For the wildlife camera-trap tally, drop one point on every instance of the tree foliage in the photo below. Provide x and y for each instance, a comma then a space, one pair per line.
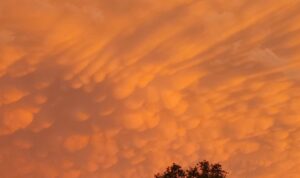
202, 169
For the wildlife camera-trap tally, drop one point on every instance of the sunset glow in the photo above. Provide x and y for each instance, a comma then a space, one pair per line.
124, 88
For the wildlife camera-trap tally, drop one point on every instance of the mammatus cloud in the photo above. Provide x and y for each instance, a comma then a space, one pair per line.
122, 89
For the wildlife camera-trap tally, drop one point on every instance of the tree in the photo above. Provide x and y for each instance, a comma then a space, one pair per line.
175, 171
202, 170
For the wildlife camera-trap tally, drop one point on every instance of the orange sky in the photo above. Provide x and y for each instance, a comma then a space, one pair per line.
115, 88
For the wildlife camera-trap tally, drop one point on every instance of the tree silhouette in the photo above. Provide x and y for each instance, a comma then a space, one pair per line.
202, 170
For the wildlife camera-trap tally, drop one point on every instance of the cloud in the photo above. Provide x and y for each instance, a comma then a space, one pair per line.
10, 95
76, 143
113, 89
15, 119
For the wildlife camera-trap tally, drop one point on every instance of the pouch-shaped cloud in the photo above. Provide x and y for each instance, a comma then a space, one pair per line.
111, 88
76, 142
15, 119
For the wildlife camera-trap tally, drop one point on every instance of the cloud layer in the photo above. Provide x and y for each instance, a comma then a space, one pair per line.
122, 89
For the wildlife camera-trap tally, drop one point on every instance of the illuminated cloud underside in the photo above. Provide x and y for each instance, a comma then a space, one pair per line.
112, 88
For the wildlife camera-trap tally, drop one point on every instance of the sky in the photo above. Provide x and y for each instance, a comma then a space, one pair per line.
122, 89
